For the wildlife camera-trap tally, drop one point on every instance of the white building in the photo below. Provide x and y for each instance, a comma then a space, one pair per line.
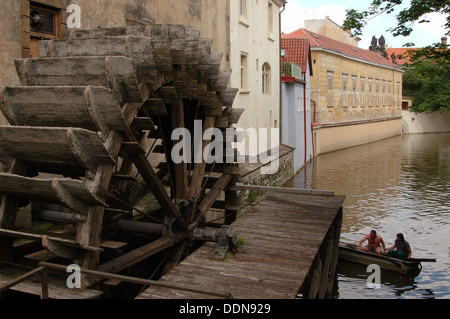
255, 61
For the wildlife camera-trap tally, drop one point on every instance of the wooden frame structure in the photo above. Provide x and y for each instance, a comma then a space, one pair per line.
82, 116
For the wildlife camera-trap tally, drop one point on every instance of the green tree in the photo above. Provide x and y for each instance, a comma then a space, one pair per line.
356, 20
427, 77
428, 83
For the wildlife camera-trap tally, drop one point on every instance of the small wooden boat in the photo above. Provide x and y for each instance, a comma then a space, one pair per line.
405, 266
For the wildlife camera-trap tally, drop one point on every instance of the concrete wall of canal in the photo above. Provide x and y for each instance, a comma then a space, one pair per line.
336, 136
417, 123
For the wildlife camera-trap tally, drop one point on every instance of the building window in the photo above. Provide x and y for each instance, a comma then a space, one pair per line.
244, 72
300, 104
363, 91
243, 8
384, 92
330, 88
390, 93
377, 92
40, 22
370, 92
270, 19
398, 94
266, 75
344, 89
354, 86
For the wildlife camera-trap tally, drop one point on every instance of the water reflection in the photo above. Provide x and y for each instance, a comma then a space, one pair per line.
354, 277
396, 185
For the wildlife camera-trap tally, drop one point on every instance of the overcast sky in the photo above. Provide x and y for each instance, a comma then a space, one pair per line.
297, 11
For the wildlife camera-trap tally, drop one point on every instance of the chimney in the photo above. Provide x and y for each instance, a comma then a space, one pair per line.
444, 40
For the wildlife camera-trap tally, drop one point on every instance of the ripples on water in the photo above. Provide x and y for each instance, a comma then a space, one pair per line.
396, 185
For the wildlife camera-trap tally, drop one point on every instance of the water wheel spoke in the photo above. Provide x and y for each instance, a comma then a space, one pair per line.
213, 194
180, 169
198, 172
154, 183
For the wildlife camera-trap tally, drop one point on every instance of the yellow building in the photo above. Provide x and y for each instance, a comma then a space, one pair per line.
356, 94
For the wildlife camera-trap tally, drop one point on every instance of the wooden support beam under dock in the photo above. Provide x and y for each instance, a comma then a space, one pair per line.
291, 245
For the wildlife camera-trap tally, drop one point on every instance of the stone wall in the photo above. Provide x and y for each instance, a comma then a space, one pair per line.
251, 174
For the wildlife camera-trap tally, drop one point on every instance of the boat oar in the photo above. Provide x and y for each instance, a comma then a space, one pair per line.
422, 260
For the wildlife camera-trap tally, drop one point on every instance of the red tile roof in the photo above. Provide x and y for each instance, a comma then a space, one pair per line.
328, 44
400, 53
297, 51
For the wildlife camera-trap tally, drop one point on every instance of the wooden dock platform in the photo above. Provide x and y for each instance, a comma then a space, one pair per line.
291, 243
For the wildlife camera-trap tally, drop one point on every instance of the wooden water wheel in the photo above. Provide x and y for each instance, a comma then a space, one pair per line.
97, 111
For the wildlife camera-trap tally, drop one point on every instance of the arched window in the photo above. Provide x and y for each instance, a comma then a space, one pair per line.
266, 75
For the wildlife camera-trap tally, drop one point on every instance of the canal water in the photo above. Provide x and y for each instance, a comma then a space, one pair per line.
401, 184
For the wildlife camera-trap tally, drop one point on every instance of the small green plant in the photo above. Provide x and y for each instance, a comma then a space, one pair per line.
242, 241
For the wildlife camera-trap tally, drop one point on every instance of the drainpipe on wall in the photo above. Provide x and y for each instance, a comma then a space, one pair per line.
312, 127
280, 65
304, 119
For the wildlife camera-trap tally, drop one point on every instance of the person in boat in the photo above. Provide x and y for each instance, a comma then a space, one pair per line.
375, 242
400, 249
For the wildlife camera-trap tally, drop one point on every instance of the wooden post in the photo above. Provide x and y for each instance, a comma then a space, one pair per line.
316, 276
44, 283
328, 247
335, 253
231, 200
8, 213
89, 232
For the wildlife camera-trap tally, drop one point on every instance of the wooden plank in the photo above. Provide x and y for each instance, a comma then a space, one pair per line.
221, 82
107, 32
161, 46
281, 245
227, 97
88, 148
43, 238
47, 106
55, 148
105, 110
154, 107
57, 285
115, 72
139, 254
222, 122
144, 124
214, 108
19, 279
132, 148
77, 71
100, 46
168, 94
287, 190
123, 79
113, 244
192, 36
235, 115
